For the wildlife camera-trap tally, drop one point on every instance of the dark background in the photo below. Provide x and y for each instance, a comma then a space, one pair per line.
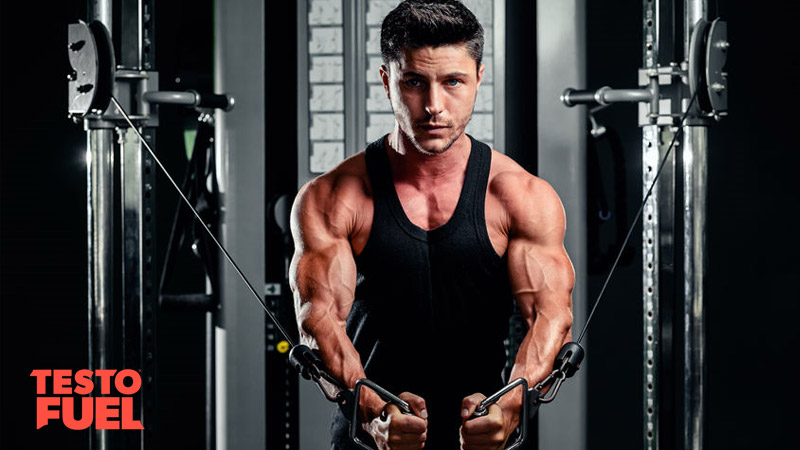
752, 341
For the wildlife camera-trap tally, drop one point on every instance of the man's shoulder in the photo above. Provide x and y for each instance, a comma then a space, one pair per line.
523, 195
508, 177
334, 200
347, 180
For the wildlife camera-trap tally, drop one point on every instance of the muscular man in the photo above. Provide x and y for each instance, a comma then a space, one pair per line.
408, 254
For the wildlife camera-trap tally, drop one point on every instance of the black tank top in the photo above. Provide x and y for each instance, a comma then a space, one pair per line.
431, 307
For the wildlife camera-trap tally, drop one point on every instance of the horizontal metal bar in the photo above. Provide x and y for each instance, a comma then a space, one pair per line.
604, 96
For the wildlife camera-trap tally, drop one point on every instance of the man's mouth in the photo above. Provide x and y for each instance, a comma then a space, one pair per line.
433, 126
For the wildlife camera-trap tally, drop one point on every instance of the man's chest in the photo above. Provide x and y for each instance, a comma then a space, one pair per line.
429, 209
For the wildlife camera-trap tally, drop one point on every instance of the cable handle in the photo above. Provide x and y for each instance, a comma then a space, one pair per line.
567, 362
385, 395
310, 366
483, 408
527, 410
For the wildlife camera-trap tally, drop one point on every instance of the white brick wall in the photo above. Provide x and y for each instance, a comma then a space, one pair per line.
326, 127
326, 84
325, 12
326, 69
325, 155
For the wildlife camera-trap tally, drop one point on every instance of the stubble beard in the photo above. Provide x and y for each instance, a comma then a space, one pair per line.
437, 151
431, 152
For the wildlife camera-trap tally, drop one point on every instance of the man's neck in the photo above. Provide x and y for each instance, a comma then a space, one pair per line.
412, 166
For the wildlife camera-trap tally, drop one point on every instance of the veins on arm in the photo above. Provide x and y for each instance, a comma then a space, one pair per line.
541, 275
322, 272
322, 277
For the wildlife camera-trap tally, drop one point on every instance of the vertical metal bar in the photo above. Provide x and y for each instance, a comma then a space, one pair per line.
140, 33
650, 283
694, 205
561, 60
240, 148
148, 299
694, 11
355, 68
651, 29
220, 344
668, 251
101, 10
148, 33
651, 241
130, 36
210, 414
303, 116
100, 185
139, 307
132, 224
499, 71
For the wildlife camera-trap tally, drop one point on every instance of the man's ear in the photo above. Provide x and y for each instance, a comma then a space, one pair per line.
480, 73
384, 71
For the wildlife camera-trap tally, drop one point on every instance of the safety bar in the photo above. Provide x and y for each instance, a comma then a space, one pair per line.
604, 96
190, 98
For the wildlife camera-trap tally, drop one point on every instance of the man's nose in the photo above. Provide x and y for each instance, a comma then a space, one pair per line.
434, 104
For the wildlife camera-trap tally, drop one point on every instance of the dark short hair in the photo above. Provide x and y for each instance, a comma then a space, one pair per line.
420, 23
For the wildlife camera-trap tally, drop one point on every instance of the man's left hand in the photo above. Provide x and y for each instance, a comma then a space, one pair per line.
489, 432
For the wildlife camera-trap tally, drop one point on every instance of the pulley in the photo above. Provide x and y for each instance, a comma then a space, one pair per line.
91, 56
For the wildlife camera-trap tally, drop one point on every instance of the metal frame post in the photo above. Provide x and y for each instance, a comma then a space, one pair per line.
122, 332
240, 161
673, 226
100, 199
561, 50
652, 152
694, 156
674, 215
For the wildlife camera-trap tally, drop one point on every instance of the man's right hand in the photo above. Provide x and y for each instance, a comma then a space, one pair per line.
397, 431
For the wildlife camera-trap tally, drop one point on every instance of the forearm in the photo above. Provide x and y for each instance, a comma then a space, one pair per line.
328, 337
547, 333
534, 361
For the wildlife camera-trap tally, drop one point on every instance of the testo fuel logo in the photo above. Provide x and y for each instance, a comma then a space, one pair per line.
75, 400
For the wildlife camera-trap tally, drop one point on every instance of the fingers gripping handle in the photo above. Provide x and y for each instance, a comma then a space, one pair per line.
385, 395
483, 407
567, 362
309, 365
527, 395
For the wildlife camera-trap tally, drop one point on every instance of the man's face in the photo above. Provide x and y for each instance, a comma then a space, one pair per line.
432, 91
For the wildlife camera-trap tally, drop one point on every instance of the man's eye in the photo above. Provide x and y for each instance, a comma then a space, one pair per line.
413, 82
453, 82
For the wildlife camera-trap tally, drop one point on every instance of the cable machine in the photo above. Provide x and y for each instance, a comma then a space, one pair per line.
683, 98
125, 287
677, 100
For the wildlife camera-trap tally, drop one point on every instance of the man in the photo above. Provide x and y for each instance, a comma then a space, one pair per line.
408, 254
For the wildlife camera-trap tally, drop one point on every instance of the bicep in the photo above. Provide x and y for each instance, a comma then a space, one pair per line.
541, 277
541, 273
